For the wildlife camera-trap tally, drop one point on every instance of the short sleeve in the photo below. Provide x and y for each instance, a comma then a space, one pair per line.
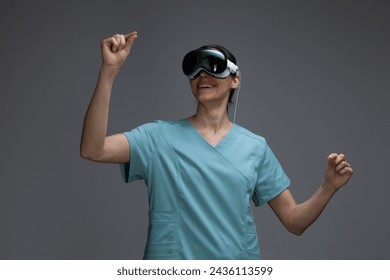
143, 141
271, 178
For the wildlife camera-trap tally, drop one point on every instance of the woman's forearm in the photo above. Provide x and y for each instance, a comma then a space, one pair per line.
96, 119
307, 212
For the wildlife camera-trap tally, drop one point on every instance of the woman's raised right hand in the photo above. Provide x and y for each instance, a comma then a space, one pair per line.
116, 49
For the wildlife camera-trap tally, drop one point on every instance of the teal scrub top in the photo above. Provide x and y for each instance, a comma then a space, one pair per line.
199, 195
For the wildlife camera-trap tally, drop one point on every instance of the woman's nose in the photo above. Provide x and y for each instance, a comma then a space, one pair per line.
204, 74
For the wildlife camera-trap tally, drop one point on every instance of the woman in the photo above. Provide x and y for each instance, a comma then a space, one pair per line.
201, 171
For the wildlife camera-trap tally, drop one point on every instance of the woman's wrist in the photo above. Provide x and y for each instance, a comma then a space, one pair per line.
109, 71
328, 188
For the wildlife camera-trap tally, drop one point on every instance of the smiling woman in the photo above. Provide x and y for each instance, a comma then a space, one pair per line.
206, 88
203, 170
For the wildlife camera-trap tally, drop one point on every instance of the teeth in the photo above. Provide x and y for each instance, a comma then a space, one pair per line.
205, 86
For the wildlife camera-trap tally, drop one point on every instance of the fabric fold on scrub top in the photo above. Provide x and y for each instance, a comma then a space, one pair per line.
199, 195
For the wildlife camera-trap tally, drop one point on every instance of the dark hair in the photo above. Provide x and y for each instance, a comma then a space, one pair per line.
228, 55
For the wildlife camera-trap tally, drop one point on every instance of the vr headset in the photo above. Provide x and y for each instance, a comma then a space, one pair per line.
211, 61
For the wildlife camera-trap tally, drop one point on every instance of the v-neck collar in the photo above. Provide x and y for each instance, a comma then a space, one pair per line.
221, 144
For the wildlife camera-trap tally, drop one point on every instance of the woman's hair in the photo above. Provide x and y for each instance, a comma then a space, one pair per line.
229, 56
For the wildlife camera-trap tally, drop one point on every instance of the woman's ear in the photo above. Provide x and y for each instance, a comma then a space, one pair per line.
236, 81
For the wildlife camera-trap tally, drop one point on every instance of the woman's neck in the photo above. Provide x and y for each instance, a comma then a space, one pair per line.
213, 120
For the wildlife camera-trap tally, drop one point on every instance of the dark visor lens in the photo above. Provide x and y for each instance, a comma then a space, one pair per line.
212, 61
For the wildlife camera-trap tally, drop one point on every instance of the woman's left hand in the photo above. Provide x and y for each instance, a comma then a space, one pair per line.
338, 171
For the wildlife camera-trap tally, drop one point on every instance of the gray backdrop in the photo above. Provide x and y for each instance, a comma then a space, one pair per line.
315, 80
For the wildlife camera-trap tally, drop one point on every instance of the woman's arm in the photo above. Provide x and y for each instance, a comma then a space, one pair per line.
298, 217
95, 144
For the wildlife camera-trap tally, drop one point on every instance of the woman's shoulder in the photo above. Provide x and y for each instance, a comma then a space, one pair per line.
159, 126
246, 133
171, 122
159, 123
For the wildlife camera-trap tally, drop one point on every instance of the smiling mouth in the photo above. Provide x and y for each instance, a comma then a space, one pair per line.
205, 86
